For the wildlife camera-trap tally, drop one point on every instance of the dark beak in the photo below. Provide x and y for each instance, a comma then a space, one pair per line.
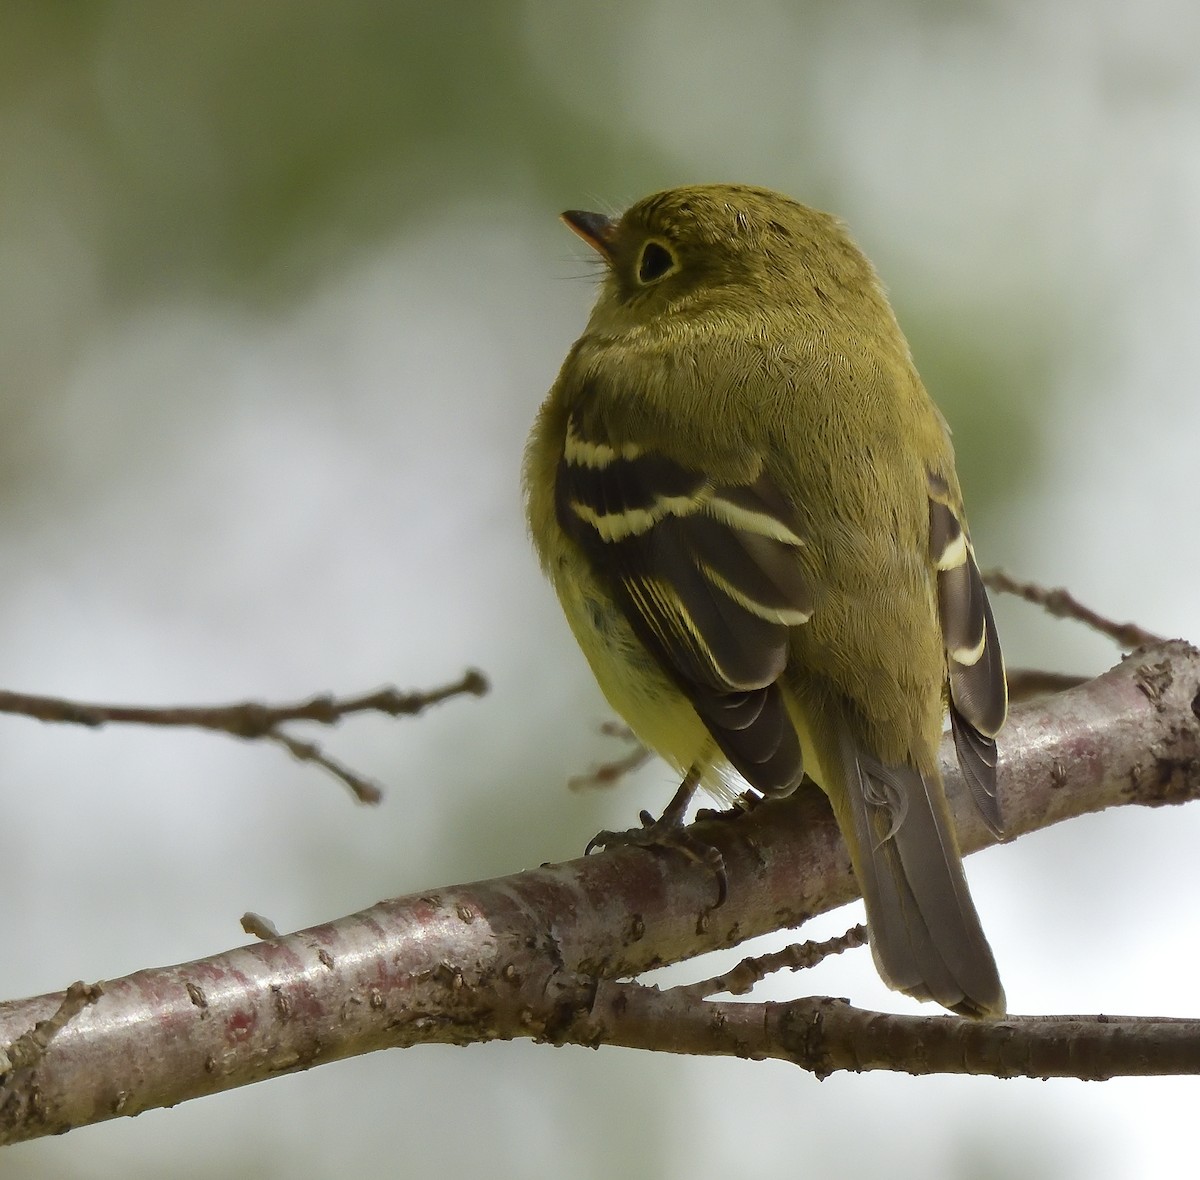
594, 228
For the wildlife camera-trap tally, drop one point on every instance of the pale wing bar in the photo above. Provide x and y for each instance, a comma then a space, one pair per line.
709, 578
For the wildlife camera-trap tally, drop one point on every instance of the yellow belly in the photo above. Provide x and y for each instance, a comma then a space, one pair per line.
634, 685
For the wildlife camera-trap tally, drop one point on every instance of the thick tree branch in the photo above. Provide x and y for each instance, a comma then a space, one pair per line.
537, 954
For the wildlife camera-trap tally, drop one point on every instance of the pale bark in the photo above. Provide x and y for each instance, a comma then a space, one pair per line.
540, 954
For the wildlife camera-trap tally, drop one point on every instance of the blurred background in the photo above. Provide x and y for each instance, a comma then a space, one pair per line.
281, 286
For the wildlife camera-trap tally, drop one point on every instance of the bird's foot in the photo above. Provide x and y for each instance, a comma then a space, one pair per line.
668, 832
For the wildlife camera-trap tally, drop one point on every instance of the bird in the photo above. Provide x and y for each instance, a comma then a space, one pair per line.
746, 502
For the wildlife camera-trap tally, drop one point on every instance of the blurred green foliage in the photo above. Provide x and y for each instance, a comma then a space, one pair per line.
238, 145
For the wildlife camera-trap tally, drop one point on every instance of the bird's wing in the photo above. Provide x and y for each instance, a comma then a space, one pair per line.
975, 664
708, 575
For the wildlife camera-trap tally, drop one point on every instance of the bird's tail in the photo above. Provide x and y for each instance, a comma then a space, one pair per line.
925, 933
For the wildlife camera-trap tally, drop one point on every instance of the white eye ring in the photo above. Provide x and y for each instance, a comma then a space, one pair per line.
655, 262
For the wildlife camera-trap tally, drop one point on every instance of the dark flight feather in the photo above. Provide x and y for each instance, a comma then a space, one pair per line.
974, 662
709, 578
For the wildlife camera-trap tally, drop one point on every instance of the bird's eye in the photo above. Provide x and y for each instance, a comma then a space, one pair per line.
656, 262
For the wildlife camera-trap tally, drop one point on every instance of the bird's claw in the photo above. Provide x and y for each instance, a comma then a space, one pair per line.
666, 833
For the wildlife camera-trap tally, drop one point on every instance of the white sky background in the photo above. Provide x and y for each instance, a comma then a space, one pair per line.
217, 501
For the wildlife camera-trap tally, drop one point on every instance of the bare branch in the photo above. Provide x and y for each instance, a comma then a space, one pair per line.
253, 720
825, 1035
29, 1048
537, 954
800, 956
363, 789
245, 719
608, 774
1063, 605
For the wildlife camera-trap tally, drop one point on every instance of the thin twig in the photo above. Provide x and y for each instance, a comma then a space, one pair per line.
30, 1047
253, 720
1062, 604
607, 774
799, 956
244, 719
361, 788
